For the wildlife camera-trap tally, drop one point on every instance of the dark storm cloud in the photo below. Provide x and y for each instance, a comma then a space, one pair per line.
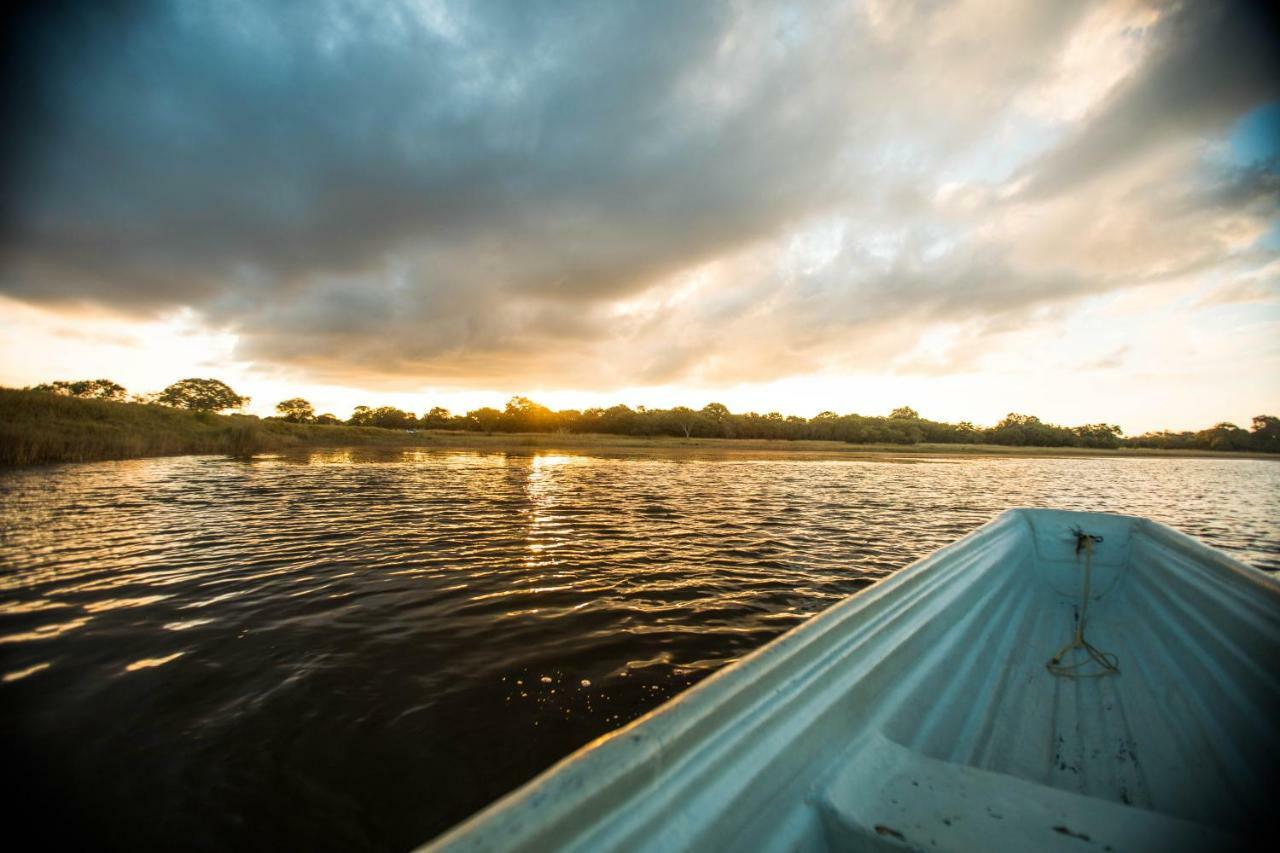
1213, 63
188, 146
477, 190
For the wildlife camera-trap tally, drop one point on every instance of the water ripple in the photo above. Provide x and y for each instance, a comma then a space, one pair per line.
354, 649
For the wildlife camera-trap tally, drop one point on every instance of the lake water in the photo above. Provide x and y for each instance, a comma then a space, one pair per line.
352, 650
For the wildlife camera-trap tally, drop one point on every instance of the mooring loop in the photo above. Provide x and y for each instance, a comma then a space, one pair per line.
1107, 662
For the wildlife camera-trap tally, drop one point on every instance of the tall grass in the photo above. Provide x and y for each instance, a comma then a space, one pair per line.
38, 427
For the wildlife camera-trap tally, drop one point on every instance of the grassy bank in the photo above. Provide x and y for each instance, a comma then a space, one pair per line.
38, 427
626, 444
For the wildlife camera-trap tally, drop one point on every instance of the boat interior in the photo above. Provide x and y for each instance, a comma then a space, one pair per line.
1168, 739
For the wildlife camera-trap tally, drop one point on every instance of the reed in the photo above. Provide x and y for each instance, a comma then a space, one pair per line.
38, 427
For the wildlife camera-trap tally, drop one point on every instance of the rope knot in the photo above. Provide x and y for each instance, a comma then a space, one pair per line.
1107, 662
1085, 541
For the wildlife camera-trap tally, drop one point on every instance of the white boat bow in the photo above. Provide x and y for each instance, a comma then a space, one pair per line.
920, 714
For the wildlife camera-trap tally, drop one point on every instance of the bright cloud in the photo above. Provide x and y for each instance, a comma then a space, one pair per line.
848, 206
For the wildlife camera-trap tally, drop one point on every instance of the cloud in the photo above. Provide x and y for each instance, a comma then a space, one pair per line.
597, 195
1112, 360
1213, 63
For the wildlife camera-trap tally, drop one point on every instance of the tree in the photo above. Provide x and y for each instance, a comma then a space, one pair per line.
524, 415
60, 387
617, 420
92, 389
1098, 435
389, 417
904, 413
717, 412
437, 418
1030, 431
684, 419
486, 418
327, 419
296, 410
1265, 435
201, 395
720, 418
1223, 436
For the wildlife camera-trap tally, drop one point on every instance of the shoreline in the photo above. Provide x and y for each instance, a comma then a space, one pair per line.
39, 428
635, 445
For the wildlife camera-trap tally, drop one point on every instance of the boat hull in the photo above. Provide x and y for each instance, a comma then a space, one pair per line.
919, 713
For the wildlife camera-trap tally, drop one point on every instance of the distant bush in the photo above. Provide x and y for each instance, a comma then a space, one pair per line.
201, 395
39, 427
89, 389
44, 426
902, 426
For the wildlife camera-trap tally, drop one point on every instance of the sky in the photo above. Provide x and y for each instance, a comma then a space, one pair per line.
971, 208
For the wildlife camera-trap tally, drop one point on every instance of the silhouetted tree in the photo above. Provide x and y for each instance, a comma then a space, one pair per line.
619, 420
902, 426
485, 418
685, 419
1029, 431
92, 389
201, 395
1223, 436
296, 410
437, 418
1265, 436
389, 417
524, 415
721, 419
1098, 435
1163, 440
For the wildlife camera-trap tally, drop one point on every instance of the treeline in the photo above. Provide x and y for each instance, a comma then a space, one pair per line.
902, 426
522, 415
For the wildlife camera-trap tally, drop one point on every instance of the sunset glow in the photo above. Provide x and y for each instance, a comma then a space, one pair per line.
1064, 209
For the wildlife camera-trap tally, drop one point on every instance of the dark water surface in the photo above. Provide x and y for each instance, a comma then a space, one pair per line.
354, 650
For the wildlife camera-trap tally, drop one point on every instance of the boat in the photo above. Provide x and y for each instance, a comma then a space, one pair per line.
1054, 681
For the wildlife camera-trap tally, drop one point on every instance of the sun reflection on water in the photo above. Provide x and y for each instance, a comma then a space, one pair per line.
288, 626
23, 673
150, 663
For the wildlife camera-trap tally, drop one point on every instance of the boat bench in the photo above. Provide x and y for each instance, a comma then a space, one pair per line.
888, 797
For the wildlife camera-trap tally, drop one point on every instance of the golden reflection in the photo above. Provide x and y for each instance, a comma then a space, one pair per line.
148, 663
312, 590
10, 607
509, 593
188, 624
196, 605
252, 576
45, 632
118, 603
470, 458
23, 673
150, 577
551, 460
365, 455
546, 529
331, 457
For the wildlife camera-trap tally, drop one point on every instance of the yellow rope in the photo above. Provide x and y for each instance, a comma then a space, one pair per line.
1108, 662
